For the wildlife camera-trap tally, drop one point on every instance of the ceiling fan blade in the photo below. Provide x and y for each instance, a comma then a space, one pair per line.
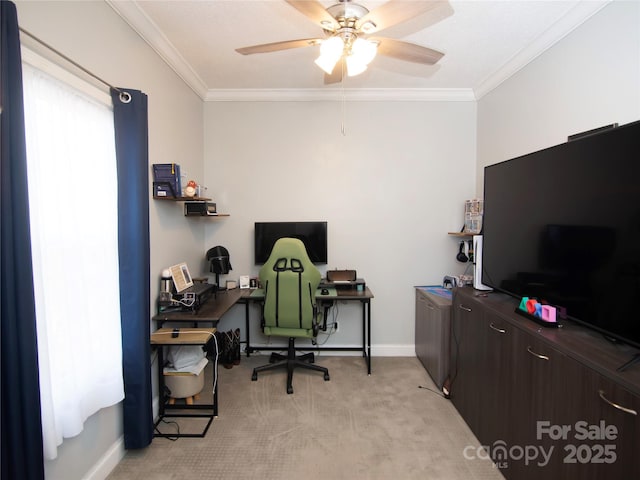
409, 52
395, 12
314, 10
276, 46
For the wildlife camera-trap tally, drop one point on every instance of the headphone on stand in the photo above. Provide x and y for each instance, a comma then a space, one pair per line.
462, 256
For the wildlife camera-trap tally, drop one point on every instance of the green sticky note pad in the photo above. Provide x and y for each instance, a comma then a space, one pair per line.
523, 303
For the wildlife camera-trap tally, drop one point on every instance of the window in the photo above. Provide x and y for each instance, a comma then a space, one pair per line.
73, 211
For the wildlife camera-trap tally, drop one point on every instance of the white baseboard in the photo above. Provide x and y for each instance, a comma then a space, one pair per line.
393, 351
107, 462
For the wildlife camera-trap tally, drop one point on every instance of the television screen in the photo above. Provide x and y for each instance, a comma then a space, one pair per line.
312, 234
563, 224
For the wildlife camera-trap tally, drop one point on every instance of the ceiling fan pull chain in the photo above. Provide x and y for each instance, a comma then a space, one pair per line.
344, 107
342, 127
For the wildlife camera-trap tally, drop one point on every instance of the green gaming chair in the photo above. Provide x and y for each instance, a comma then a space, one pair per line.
290, 280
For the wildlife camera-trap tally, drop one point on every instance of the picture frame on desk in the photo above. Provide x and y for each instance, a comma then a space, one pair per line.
181, 276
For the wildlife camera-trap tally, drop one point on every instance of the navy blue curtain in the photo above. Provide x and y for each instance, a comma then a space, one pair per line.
22, 455
132, 151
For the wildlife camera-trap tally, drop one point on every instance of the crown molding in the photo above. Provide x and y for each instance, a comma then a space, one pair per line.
579, 14
153, 36
350, 95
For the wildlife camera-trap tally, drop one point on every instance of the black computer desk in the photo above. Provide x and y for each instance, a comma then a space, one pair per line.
363, 296
217, 306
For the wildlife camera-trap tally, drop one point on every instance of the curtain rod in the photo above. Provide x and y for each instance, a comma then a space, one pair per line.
125, 97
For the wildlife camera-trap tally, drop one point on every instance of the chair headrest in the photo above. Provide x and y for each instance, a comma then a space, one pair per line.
289, 254
284, 264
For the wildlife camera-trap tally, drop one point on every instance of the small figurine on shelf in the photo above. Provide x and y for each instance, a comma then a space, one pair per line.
473, 212
190, 191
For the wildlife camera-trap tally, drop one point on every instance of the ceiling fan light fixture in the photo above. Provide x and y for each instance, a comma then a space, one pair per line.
332, 47
364, 50
355, 66
346, 26
362, 53
330, 52
326, 64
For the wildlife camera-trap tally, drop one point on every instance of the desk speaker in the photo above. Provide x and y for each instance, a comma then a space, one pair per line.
341, 275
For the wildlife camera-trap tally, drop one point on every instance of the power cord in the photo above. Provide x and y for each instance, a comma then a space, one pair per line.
440, 394
215, 366
188, 300
172, 438
332, 323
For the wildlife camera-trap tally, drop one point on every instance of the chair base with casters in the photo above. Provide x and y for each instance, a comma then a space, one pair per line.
290, 362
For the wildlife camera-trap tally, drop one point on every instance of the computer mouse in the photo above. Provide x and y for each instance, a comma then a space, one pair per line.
324, 291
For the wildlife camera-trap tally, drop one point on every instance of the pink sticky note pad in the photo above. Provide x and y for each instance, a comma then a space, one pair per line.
548, 313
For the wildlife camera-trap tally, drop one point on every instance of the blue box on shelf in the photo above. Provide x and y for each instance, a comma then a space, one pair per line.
166, 180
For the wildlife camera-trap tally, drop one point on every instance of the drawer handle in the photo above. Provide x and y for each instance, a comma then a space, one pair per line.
466, 309
541, 357
499, 330
615, 405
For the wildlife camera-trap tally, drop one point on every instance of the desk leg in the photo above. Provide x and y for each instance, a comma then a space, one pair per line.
364, 329
366, 333
369, 338
246, 327
325, 315
161, 396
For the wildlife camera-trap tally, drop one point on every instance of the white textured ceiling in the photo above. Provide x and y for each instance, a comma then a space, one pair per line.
484, 43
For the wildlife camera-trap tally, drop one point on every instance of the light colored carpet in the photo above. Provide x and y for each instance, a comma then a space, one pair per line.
354, 426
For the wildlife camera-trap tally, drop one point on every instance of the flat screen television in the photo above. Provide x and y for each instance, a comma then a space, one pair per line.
563, 225
312, 234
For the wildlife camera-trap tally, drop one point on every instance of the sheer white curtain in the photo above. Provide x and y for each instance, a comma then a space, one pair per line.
73, 210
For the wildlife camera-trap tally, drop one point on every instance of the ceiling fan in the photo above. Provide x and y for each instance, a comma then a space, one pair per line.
347, 44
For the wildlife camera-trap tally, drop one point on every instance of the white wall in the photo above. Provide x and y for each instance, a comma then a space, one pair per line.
589, 79
390, 190
93, 35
